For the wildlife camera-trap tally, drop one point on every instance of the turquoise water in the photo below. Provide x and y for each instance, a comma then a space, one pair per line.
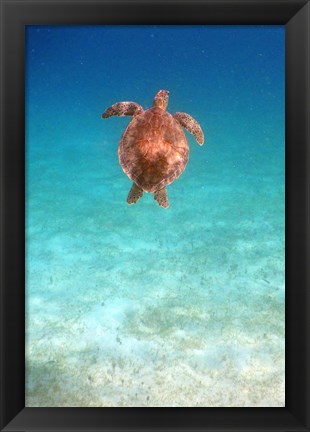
140, 305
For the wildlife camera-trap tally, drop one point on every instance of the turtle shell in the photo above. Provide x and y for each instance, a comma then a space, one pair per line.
153, 150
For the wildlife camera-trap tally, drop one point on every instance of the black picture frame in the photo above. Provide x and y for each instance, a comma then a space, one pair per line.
15, 14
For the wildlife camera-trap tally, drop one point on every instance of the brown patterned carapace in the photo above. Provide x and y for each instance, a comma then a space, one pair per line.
153, 150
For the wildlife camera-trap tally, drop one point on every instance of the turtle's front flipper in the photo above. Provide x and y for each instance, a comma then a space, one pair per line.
135, 194
161, 197
189, 123
123, 109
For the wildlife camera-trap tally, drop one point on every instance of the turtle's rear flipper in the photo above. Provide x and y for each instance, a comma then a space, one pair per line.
162, 198
135, 194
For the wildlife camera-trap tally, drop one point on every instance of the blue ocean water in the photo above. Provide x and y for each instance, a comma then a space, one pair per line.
140, 305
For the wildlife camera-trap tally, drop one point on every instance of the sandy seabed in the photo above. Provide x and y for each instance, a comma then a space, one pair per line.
139, 306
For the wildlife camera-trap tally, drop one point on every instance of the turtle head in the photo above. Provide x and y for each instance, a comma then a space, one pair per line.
161, 99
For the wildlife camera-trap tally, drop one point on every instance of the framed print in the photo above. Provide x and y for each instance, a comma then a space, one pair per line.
155, 214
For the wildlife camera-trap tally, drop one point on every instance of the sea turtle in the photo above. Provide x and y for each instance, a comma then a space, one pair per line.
153, 150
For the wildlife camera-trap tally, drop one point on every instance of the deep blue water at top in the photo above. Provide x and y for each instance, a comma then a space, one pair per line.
234, 75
